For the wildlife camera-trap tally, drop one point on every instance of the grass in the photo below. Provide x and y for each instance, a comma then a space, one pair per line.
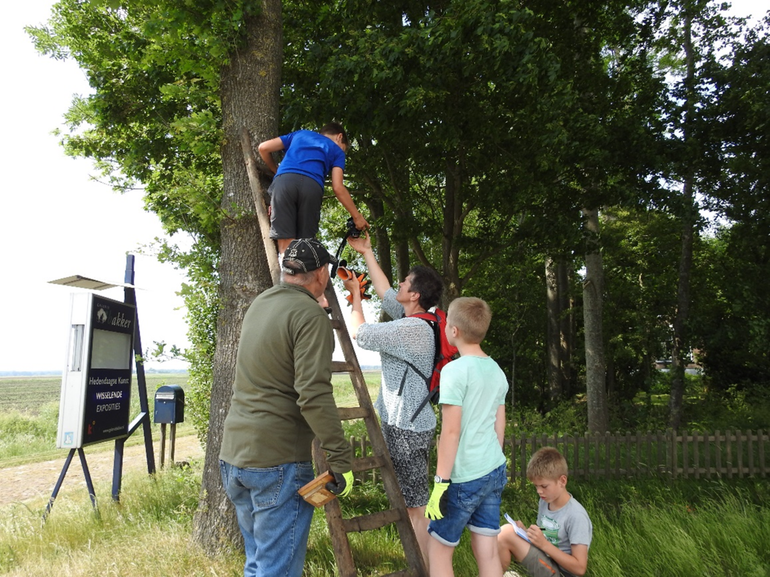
641, 528
648, 528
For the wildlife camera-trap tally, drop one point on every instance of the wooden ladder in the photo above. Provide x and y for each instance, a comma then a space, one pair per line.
339, 527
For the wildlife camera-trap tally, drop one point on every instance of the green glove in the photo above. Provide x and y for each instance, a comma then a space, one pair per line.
342, 484
348, 484
437, 503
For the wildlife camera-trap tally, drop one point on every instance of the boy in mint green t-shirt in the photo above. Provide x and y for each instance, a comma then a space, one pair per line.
471, 471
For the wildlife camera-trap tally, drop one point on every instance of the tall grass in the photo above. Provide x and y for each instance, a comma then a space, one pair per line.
641, 529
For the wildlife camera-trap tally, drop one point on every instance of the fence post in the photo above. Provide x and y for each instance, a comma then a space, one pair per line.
718, 453
673, 454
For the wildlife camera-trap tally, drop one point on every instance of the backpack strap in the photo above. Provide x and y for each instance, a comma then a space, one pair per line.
435, 325
403, 378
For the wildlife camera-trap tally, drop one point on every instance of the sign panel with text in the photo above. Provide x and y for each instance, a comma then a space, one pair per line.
96, 383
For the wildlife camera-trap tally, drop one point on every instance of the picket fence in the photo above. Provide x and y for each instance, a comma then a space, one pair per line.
669, 454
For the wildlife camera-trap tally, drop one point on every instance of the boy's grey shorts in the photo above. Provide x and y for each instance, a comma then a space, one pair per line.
541, 565
295, 206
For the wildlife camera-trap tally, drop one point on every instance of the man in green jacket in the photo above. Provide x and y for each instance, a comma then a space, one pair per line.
282, 399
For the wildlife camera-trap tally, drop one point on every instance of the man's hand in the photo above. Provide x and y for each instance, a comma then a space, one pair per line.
437, 503
342, 484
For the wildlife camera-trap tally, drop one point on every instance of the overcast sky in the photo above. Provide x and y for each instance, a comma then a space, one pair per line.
57, 221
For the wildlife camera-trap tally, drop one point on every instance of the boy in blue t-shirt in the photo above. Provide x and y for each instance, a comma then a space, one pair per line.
297, 189
471, 471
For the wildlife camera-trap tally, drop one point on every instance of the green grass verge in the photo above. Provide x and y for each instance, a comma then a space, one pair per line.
641, 529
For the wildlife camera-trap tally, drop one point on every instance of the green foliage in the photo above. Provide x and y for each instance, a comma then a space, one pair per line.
730, 324
480, 128
202, 300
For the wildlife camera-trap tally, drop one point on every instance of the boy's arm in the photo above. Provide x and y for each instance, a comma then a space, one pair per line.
451, 417
266, 150
363, 245
342, 194
575, 563
500, 424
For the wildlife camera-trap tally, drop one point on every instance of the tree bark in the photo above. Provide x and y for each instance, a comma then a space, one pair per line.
553, 337
566, 324
593, 289
679, 351
249, 89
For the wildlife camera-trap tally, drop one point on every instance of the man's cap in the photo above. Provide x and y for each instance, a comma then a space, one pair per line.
305, 255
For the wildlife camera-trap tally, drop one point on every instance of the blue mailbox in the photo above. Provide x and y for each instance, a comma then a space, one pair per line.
169, 404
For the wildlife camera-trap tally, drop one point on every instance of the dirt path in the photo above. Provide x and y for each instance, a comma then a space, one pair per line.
36, 480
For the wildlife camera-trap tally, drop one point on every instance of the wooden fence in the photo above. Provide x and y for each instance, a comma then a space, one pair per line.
670, 454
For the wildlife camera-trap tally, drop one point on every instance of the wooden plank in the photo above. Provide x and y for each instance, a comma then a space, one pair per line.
729, 444
371, 521
696, 453
718, 453
672, 453
402, 573
367, 463
350, 413
763, 437
685, 454
707, 455
739, 450
271, 252
346, 567
342, 367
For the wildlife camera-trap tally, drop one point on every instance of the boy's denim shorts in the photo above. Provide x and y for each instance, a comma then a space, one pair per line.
473, 504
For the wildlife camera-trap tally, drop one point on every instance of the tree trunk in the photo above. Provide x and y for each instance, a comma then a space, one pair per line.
566, 324
685, 262
593, 288
249, 89
553, 337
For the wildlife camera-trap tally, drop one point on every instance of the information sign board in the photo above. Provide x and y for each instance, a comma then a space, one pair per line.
96, 383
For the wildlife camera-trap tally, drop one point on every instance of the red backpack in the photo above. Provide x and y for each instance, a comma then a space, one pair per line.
444, 353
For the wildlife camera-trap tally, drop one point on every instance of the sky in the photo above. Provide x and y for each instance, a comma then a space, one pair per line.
58, 221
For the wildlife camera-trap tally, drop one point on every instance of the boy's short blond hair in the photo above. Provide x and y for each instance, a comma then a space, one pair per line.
472, 316
547, 463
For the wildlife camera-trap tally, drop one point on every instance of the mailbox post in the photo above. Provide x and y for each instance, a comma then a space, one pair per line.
169, 409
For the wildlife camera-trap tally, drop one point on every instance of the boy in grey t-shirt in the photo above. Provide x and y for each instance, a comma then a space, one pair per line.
558, 544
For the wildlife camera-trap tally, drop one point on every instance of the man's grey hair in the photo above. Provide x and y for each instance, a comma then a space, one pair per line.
297, 276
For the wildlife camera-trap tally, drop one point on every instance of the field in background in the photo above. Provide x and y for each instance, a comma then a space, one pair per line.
29, 413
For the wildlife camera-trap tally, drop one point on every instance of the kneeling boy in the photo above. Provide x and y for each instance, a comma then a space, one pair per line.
558, 544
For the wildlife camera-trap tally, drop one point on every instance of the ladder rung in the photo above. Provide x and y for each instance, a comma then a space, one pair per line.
348, 413
372, 521
342, 367
337, 324
367, 463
